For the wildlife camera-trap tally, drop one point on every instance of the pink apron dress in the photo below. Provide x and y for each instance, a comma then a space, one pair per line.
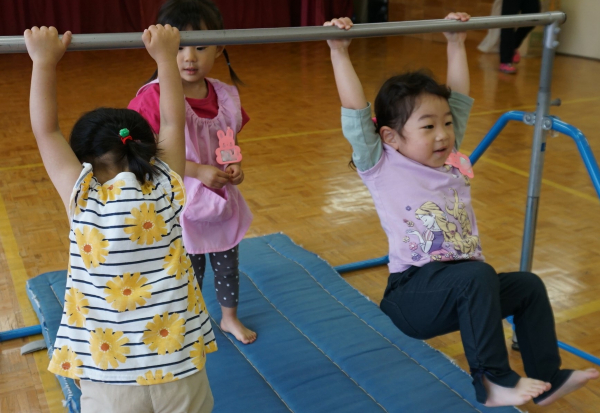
214, 220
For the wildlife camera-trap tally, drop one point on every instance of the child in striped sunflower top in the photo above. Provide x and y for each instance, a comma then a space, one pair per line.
135, 330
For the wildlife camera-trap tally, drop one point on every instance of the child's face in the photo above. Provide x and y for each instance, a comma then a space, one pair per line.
428, 135
196, 62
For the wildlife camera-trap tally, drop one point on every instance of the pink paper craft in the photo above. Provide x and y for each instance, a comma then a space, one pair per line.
461, 162
227, 152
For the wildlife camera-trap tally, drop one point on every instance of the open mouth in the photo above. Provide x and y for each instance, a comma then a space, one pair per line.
190, 71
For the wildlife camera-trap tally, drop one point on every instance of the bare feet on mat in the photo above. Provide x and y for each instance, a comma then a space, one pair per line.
578, 379
525, 390
232, 324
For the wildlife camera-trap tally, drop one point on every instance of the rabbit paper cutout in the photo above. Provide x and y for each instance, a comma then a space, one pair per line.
227, 152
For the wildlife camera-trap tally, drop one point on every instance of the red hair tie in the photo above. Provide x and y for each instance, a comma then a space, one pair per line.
124, 133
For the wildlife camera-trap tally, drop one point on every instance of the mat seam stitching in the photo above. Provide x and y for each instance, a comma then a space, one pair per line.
313, 343
373, 328
249, 362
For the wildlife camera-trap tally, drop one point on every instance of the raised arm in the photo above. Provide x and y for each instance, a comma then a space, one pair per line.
46, 50
458, 70
349, 87
162, 43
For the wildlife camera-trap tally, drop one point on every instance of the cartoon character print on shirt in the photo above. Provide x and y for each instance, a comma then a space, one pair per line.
442, 239
457, 174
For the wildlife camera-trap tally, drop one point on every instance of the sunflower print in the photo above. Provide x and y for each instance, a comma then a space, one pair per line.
148, 187
177, 188
127, 292
110, 192
92, 246
200, 300
156, 378
211, 347
177, 262
193, 304
146, 226
198, 354
83, 194
75, 307
198, 293
108, 347
165, 334
65, 363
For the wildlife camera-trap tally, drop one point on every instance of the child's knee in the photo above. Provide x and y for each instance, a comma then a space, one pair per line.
482, 276
531, 282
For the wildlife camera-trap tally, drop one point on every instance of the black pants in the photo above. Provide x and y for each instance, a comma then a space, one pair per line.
227, 279
511, 39
442, 297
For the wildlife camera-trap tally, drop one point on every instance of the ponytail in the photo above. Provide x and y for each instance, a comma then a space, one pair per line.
97, 137
139, 155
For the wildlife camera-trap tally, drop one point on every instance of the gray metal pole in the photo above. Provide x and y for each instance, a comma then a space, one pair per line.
16, 44
542, 125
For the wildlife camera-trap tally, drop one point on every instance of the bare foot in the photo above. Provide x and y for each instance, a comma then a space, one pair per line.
234, 326
578, 379
525, 390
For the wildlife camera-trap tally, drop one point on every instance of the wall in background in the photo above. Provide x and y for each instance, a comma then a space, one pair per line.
580, 35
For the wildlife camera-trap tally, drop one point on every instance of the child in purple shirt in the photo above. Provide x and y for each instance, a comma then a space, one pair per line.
420, 185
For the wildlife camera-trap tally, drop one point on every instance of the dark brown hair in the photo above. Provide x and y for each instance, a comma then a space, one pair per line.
397, 99
96, 134
197, 15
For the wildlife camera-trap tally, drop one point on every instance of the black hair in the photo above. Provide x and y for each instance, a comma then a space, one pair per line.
397, 98
97, 134
197, 15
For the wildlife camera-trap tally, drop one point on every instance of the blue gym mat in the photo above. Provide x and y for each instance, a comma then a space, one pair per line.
322, 346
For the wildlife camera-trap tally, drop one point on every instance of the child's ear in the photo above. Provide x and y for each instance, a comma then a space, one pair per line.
219, 51
390, 136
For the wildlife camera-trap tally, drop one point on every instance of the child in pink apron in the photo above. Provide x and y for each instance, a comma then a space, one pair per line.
216, 216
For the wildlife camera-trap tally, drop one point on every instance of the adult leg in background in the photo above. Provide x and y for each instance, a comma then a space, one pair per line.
527, 7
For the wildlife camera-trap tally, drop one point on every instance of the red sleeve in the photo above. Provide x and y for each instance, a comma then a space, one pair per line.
245, 119
147, 104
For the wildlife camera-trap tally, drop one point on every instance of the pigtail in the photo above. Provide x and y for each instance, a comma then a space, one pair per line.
234, 77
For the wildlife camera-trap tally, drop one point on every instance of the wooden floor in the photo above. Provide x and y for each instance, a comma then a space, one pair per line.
298, 182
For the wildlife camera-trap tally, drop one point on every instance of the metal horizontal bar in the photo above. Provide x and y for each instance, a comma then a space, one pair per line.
107, 41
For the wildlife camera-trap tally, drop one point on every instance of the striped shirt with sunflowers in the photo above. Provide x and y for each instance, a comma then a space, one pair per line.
133, 311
